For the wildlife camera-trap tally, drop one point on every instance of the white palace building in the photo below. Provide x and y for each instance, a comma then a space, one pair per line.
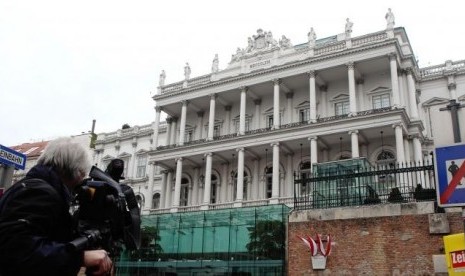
234, 137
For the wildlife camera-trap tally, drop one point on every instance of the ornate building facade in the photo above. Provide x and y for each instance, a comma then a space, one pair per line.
235, 137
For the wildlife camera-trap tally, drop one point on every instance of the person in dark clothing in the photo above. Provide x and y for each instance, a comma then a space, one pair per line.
36, 227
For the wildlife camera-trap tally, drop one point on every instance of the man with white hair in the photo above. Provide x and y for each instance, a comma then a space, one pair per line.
35, 224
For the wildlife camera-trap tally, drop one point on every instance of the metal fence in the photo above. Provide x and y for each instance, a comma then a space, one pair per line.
385, 183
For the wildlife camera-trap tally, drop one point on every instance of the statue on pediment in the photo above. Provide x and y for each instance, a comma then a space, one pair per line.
269, 40
215, 64
311, 38
348, 28
250, 45
285, 42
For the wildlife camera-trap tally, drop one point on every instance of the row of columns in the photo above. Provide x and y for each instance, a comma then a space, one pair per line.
172, 122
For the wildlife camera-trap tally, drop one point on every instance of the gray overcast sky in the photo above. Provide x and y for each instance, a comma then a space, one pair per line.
65, 63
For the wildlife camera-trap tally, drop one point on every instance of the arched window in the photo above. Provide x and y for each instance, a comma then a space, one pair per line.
156, 201
183, 200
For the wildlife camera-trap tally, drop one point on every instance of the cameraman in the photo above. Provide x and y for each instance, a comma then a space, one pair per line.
35, 224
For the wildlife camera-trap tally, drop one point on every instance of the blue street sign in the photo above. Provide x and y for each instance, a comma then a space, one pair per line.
12, 158
450, 175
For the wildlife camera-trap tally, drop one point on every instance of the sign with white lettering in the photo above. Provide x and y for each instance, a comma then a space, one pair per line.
458, 259
12, 158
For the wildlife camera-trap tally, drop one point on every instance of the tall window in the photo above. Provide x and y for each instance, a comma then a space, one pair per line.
141, 166
269, 181
305, 188
304, 115
237, 124
183, 200
156, 201
244, 187
214, 186
189, 135
216, 131
342, 108
270, 120
380, 101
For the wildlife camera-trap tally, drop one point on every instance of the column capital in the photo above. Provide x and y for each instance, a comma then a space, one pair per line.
152, 163
158, 108
178, 159
311, 73
353, 131
452, 86
227, 108
324, 88
257, 101
244, 88
169, 120
277, 81
213, 96
185, 102
392, 56
274, 144
208, 154
408, 70
350, 65
240, 149
397, 125
360, 81
413, 136
200, 113
174, 118
289, 95
312, 138
164, 171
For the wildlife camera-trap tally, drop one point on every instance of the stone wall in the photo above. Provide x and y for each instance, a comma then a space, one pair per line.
390, 239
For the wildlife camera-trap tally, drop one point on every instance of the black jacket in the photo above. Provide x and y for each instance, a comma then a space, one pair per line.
35, 227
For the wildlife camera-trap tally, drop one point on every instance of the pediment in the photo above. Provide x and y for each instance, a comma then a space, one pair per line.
108, 157
379, 89
304, 103
124, 155
435, 101
461, 98
141, 151
340, 97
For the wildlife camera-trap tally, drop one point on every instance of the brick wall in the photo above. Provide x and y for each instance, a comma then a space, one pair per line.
389, 245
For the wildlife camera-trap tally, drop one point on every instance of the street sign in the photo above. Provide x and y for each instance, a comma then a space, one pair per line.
450, 175
12, 158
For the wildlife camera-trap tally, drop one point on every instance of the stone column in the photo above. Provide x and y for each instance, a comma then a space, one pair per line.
417, 152
151, 171
156, 126
312, 99
199, 125
255, 179
227, 119
174, 130
412, 94
195, 188
407, 149
276, 121
354, 143
289, 112
257, 103
242, 111
361, 93
240, 175
164, 177
208, 181
313, 150
275, 184
399, 143
169, 121
352, 97
169, 187
211, 118
182, 129
289, 175
177, 185
394, 80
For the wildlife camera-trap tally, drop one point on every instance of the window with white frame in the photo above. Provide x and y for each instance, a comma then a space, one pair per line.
141, 166
270, 120
189, 135
341, 108
382, 100
237, 123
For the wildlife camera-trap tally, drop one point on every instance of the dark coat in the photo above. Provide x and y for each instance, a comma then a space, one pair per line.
36, 226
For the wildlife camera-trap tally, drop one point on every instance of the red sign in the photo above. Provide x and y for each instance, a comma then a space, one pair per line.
458, 259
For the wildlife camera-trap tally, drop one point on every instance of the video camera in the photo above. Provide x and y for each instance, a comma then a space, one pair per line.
107, 213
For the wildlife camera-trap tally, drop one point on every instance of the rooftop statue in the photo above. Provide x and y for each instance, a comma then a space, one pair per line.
348, 28
215, 64
285, 43
187, 71
161, 79
311, 38
390, 20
